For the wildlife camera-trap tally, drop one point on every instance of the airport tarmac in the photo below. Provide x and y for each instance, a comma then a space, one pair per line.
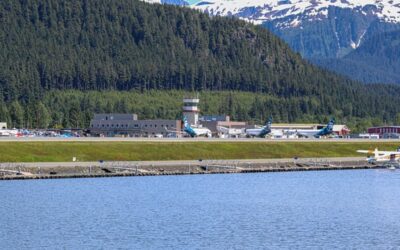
185, 139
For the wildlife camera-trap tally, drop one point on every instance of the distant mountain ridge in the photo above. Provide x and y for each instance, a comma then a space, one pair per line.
316, 29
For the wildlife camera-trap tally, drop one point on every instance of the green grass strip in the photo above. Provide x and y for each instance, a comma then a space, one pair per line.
151, 151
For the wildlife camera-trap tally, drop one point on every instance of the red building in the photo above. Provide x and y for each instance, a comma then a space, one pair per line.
384, 130
341, 130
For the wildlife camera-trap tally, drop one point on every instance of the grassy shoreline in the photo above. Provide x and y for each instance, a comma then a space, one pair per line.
153, 151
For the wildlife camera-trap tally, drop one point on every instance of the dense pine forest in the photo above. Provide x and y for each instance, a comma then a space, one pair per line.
63, 60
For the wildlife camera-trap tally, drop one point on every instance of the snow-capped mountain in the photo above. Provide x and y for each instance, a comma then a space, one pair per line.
260, 11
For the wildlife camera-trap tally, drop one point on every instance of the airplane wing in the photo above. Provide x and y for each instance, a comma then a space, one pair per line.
175, 131
379, 152
365, 151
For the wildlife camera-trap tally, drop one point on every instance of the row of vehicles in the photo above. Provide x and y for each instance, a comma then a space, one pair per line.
37, 133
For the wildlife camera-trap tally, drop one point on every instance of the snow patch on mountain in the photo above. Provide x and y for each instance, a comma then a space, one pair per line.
174, 2
259, 11
152, 1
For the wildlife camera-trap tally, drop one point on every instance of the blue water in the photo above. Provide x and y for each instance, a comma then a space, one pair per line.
329, 209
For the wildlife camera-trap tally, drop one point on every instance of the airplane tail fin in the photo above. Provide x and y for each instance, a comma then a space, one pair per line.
267, 128
185, 122
330, 124
268, 123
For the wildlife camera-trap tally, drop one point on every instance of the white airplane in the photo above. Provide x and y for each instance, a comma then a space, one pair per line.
381, 156
260, 132
315, 132
193, 132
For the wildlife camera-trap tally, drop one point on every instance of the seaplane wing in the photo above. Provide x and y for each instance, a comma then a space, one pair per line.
365, 151
377, 152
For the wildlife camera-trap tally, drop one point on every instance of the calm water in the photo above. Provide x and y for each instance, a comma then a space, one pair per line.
331, 209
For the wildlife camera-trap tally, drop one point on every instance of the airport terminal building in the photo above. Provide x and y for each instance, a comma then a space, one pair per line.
130, 125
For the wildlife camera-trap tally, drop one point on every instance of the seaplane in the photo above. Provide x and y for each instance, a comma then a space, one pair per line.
316, 133
193, 131
260, 132
375, 156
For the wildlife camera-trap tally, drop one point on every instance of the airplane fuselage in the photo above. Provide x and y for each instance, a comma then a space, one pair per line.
309, 133
196, 132
257, 132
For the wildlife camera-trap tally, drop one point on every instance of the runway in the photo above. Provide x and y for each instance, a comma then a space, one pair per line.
141, 139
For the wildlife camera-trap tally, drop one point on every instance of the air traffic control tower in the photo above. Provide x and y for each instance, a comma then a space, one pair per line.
191, 110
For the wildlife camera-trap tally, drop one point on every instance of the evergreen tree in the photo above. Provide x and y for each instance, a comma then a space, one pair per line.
42, 115
17, 115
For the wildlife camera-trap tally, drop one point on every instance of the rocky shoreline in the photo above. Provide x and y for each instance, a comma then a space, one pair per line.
26, 171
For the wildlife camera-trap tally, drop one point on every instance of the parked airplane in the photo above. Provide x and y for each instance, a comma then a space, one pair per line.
260, 132
315, 133
195, 132
192, 132
381, 156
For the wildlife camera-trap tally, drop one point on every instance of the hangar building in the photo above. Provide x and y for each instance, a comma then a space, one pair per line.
384, 130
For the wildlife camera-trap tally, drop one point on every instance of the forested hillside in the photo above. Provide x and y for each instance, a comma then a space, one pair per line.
48, 47
377, 60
